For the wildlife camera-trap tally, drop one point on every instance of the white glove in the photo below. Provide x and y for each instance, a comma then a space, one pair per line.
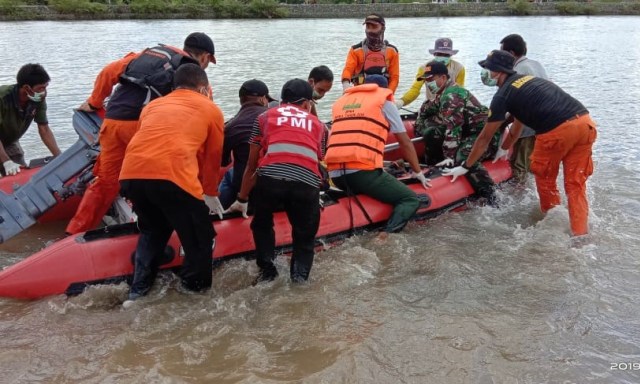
346, 85
421, 178
500, 153
447, 163
399, 103
215, 207
11, 168
238, 207
455, 172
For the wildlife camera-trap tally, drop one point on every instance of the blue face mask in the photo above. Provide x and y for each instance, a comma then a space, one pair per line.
442, 59
486, 78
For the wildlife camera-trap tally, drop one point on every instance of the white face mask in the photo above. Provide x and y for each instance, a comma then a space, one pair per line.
442, 59
433, 86
37, 96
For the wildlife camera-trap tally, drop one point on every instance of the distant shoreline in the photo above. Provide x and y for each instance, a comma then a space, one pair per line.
269, 10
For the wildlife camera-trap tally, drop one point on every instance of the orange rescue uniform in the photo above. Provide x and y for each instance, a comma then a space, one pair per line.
354, 65
162, 147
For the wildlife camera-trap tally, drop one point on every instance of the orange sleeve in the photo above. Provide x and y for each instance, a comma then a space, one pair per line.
351, 65
212, 154
108, 78
393, 68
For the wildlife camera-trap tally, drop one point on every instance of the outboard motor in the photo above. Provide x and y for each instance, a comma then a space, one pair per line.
19, 211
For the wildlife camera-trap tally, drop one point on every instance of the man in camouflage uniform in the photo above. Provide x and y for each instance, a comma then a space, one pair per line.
450, 125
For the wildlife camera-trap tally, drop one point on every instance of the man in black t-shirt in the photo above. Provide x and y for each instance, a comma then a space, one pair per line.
564, 134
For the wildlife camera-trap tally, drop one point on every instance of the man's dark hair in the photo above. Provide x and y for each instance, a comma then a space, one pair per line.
321, 73
190, 76
31, 75
514, 43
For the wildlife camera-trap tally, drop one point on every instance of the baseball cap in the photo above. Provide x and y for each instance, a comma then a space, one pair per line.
374, 18
434, 68
499, 61
377, 79
296, 90
255, 87
443, 45
201, 41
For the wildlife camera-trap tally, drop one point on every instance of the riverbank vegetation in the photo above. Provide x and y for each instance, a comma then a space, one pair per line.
220, 9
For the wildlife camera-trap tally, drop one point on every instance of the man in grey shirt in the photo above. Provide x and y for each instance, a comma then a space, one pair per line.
523, 148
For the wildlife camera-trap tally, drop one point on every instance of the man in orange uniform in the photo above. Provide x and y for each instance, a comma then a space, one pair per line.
564, 134
142, 77
372, 56
171, 165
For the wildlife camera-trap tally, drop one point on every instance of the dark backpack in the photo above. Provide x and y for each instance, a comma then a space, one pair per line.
154, 70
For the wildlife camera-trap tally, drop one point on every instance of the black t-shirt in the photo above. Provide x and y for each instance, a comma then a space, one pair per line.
536, 102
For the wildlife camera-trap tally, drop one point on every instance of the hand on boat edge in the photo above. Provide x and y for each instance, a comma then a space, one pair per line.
455, 172
214, 205
447, 163
11, 168
500, 154
238, 207
420, 176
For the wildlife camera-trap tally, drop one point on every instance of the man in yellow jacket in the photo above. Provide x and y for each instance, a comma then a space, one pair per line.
442, 53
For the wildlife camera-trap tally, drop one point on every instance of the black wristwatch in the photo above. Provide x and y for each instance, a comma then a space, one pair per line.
463, 166
241, 200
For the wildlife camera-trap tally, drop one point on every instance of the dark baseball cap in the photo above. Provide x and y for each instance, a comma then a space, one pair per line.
499, 61
201, 41
296, 90
434, 68
374, 18
255, 87
377, 79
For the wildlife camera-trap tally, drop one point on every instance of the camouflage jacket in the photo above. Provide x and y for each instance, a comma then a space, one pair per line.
461, 115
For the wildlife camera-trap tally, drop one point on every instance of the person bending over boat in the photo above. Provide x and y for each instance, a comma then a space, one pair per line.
523, 147
372, 56
462, 117
442, 52
321, 79
141, 78
286, 146
171, 179
565, 134
362, 118
20, 104
254, 98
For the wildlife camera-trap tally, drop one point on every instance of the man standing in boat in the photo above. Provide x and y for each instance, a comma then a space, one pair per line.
141, 78
286, 147
171, 179
362, 119
462, 119
20, 104
372, 56
565, 134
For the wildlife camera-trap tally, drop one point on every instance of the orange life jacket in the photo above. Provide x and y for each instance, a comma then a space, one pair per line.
359, 131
